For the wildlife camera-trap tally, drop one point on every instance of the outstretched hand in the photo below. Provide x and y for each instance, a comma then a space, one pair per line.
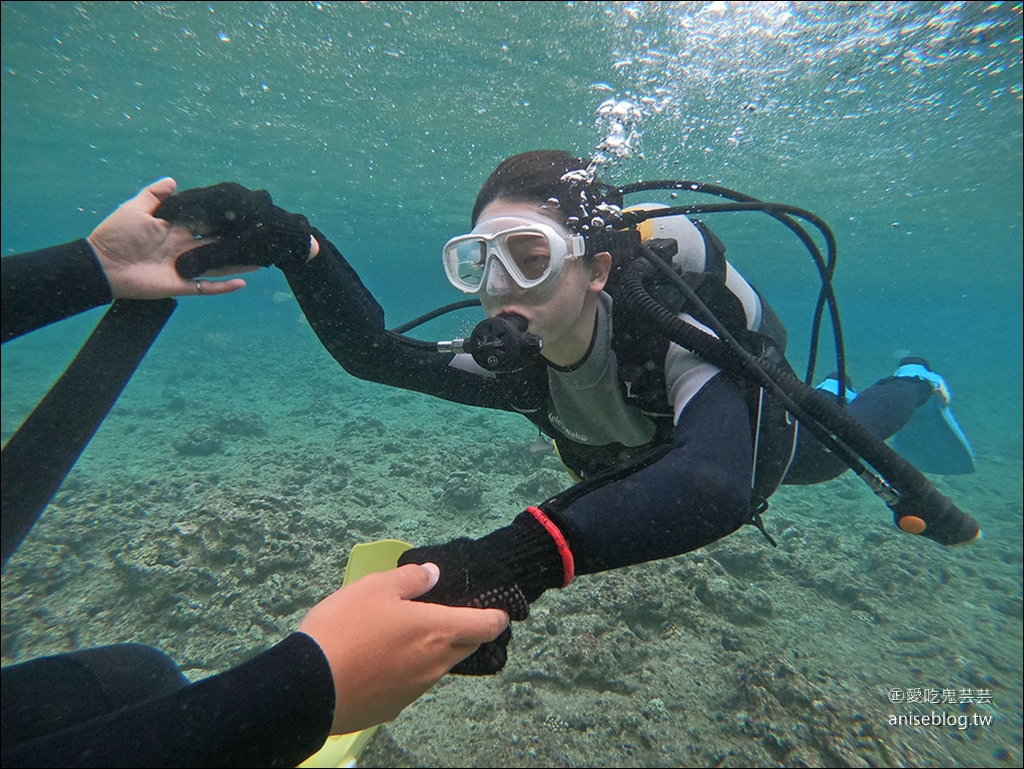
138, 252
385, 649
246, 227
474, 576
507, 569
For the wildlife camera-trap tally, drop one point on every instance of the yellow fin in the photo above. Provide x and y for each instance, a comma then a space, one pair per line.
370, 557
365, 558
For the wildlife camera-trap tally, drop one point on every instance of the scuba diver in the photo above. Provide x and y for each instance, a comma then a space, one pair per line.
668, 397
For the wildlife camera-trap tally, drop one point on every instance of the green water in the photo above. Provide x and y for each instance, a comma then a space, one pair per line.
898, 123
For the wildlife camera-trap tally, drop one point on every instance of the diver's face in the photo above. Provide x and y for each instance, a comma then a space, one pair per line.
560, 311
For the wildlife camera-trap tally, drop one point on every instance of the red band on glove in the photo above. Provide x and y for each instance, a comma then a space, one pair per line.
568, 564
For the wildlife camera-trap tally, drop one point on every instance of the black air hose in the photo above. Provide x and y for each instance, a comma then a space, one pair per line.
918, 506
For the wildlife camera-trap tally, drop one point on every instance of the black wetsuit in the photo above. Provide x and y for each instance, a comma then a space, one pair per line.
698, 492
128, 705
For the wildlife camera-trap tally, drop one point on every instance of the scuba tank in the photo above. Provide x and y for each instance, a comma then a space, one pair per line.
700, 256
697, 256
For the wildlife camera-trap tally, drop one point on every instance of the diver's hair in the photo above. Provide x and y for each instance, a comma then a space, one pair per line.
539, 176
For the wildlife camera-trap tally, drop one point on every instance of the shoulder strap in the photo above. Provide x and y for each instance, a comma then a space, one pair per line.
640, 352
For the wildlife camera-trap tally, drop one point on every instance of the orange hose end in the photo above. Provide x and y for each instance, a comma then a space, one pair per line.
912, 524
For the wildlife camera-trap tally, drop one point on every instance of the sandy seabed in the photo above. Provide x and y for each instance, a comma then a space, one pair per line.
220, 499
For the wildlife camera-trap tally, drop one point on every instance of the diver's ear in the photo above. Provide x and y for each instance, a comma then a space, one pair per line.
600, 269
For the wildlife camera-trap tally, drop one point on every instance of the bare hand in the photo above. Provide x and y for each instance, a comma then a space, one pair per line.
385, 649
137, 251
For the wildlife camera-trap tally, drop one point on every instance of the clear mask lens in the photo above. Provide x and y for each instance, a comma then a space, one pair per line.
469, 259
530, 253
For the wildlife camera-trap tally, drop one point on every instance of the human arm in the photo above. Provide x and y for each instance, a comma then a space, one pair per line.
349, 322
345, 316
42, 287
398, 648
694, 493
358, 658
130, 255
273, 710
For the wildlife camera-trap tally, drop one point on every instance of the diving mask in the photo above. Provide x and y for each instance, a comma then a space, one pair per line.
529, 251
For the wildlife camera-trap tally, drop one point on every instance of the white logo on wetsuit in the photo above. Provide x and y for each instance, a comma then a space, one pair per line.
578, 437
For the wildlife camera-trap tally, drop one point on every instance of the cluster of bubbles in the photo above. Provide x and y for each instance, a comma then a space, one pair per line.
618, 122
726, 74
780, 78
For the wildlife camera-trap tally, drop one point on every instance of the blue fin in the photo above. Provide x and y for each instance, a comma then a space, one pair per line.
932, 440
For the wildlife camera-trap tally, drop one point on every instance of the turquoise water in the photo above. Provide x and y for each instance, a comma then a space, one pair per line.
899, 124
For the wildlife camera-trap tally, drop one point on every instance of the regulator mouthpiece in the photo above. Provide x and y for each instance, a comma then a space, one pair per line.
497, 344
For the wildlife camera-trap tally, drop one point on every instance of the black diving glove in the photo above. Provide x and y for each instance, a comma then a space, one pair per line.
506, 569
250, 229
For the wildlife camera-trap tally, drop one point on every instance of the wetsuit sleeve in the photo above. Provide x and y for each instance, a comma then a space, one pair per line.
41, 287
274, 710
698, 492
350, 324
